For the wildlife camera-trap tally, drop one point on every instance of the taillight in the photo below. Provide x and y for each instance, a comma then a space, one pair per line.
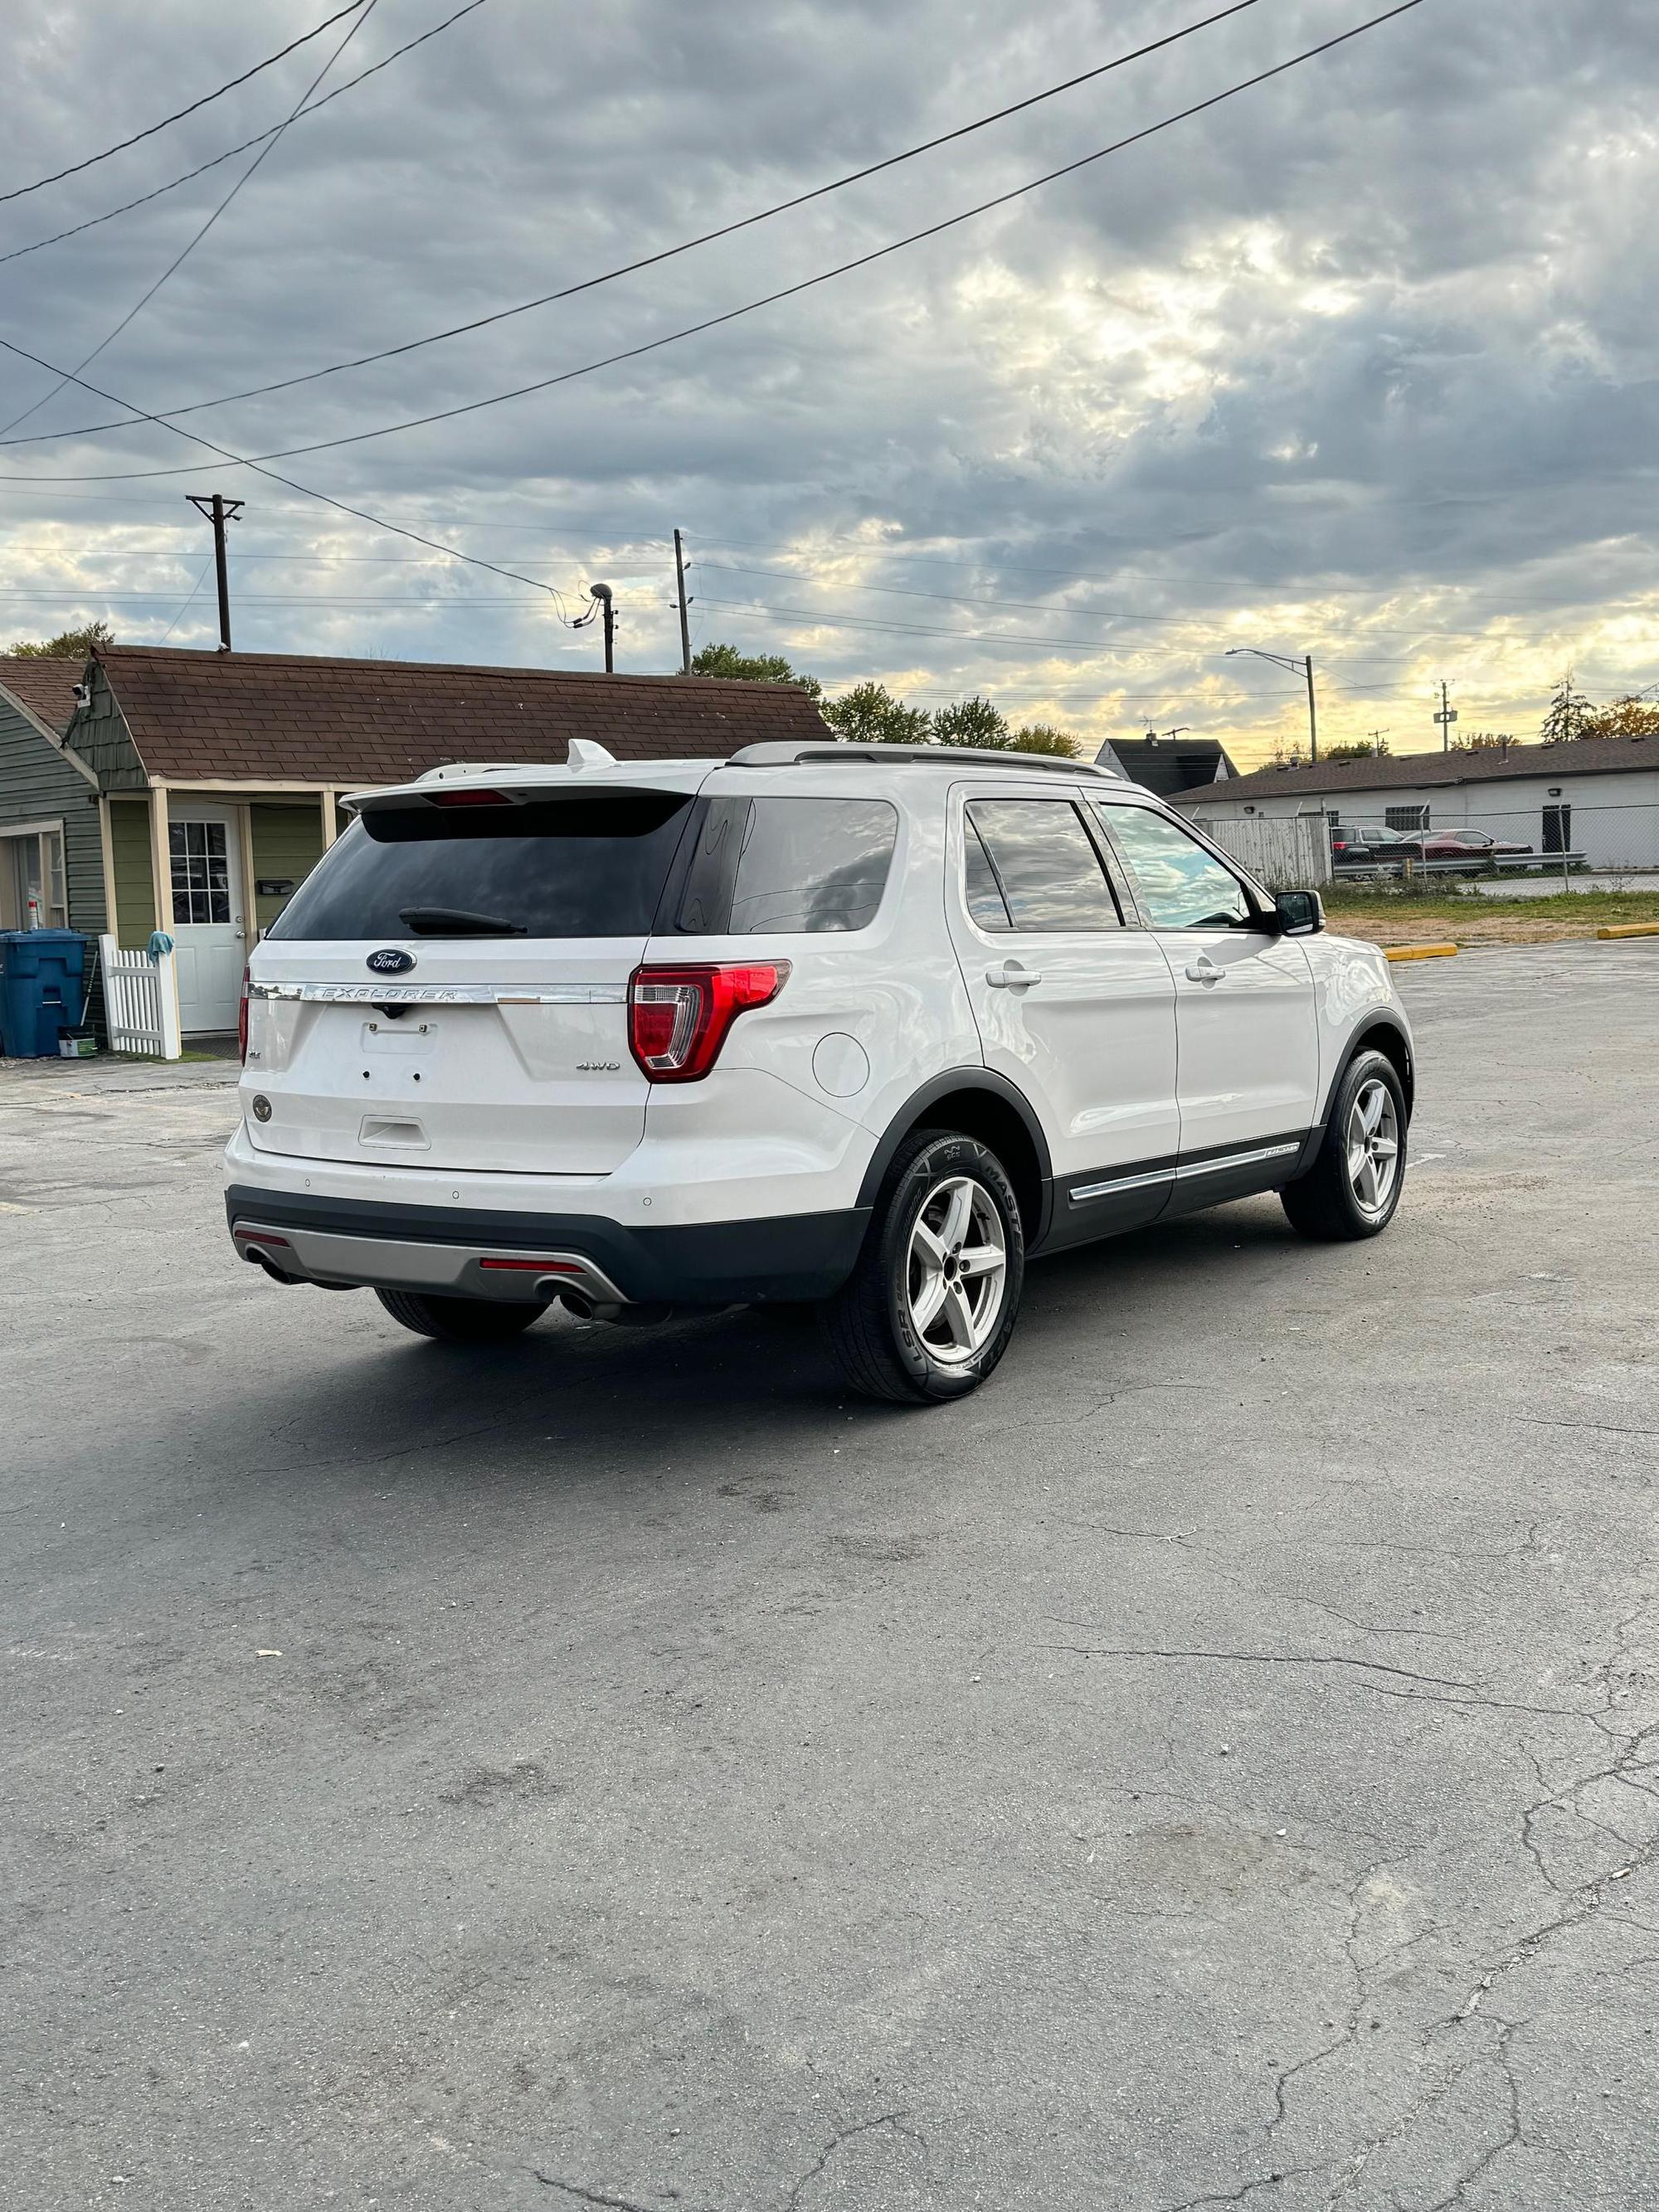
468, 798
677, 1017
242, 1021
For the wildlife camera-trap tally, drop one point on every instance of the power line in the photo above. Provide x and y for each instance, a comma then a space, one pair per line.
671, 252
306, 491
770, 299
230, 153
21, 192
359, 19
807, 618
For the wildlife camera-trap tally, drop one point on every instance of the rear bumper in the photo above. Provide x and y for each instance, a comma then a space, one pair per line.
355, 1243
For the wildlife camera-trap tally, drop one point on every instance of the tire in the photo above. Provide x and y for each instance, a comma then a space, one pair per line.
1338, 1201
953, 1188
460, 1321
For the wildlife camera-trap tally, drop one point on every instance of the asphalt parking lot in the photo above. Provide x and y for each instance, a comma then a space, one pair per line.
1217, 1765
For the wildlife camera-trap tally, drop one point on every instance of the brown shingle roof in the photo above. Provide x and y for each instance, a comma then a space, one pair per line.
282, 718
1588, 756
45, 687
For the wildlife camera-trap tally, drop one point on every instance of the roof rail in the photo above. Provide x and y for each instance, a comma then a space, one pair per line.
774, 753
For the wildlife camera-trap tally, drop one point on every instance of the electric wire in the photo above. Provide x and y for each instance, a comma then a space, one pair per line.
21, 192
359, 18
649, 260
770, 299
230, 153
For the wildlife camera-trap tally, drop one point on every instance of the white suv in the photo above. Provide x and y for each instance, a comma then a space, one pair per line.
866, 1026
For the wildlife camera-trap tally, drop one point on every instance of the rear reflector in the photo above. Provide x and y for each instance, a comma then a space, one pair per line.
260, 1237
677, 1017
536, 1267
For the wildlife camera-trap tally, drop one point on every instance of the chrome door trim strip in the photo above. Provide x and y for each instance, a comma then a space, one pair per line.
443, 994
1228, 1160
1239, 1160
1122, 1182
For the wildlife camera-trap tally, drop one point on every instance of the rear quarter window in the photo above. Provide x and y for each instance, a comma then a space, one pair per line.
593, 866
787, 867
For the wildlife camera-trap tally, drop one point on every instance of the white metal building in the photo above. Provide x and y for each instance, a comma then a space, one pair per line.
1599, 798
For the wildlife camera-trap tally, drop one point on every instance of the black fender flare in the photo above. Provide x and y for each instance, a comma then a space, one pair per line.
915, 1109
1369, 1030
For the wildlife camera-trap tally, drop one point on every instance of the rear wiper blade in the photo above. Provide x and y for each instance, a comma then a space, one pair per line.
456, 921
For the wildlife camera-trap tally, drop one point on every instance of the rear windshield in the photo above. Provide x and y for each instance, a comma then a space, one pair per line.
567, 867
787, 865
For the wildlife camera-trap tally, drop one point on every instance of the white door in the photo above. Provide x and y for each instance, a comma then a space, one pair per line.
209, 929
1074, 1004
1245, 1024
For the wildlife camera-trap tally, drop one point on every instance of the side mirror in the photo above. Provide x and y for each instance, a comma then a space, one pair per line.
1301, 913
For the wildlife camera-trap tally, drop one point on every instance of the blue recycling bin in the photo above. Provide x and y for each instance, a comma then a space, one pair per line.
42, 989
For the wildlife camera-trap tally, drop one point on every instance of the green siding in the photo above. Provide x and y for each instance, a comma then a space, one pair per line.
135, 883
99, 733
288, 841
37, 784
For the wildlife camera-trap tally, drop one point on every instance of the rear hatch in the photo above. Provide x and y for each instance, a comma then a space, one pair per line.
449, 988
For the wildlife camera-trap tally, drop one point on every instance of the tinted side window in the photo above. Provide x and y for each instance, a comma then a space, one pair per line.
1181, 886
1046, 863
984, 894
568, 867
789, 865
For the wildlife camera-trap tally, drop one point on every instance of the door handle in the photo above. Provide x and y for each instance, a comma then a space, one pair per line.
1204, 971
1009, 976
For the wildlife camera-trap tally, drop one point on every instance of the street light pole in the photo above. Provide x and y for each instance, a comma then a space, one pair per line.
1298, 665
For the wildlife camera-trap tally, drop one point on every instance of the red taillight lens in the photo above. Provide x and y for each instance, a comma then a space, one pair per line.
677, 1017
469, 799
241, 1021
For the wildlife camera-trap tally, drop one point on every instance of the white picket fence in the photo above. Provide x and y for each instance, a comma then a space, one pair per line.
141, 1001
1287, 853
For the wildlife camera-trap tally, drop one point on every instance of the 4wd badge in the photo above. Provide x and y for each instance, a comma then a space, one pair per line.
390, 962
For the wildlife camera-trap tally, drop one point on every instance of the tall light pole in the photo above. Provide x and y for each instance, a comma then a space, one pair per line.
1298, 665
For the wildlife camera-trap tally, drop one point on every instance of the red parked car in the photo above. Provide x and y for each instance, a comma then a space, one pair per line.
1473, 846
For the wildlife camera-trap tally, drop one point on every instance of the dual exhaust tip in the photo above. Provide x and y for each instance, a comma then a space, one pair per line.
263, 1248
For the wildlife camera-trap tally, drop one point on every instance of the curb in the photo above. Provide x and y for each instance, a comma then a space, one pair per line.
1629, 929
1420, 952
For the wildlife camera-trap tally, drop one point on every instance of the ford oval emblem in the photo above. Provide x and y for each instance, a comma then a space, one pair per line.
390, 962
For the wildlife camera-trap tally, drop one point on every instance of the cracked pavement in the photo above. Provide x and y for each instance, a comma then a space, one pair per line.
1218, 1764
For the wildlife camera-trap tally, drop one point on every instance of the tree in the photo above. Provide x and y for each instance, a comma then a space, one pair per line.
971, 722
68, 645
1484, 741
738, 667
869, 715
1360, 750
1625, 717
1044, 737
1568, 714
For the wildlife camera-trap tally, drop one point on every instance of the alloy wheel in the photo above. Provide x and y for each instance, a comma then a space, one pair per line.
956, 1270
1373, 1147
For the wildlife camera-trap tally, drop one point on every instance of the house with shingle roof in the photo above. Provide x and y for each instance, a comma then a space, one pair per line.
192, 792
1598, 797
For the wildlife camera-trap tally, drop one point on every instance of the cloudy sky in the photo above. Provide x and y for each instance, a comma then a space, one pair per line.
1359, 363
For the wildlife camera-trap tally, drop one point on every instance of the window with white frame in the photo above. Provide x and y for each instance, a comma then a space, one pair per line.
32, 889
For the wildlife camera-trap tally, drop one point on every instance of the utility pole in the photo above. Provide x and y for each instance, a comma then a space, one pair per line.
606, 598
219, 511
1376, 738
1313, 718
685, 622
1446, 717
